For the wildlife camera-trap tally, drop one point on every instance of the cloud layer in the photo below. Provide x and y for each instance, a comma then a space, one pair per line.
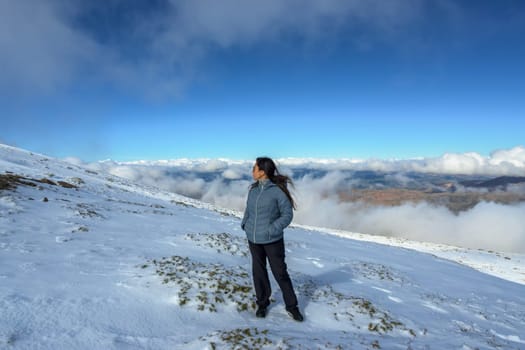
318, 185
159, 47
499, 163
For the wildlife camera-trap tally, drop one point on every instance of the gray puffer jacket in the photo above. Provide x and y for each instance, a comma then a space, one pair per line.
268, 212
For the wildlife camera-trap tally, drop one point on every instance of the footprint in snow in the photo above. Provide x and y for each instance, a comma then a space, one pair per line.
383, 290
28, 267
434, 307
386, 291
394, 299
62, 239
316, 262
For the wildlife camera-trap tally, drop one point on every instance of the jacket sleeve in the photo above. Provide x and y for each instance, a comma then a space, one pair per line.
246, 214
286, 210
244, 218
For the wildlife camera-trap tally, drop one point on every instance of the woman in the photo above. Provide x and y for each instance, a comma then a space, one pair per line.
268, 212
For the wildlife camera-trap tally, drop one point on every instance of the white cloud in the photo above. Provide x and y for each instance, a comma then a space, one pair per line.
231, 174
225, 183
501, 162
46, 44
245, 22
514, 156
211, 165
39, 49
488, 225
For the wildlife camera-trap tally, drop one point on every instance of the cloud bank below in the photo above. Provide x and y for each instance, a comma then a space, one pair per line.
504, 162
318, 185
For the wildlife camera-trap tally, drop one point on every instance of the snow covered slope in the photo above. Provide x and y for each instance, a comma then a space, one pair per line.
92, 261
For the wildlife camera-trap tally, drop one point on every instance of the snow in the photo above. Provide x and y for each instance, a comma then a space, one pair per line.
117, 265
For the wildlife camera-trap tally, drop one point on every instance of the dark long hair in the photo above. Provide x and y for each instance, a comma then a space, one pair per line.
270, 169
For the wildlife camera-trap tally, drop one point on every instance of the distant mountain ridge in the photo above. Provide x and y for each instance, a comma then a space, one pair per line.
457, 193
501, 181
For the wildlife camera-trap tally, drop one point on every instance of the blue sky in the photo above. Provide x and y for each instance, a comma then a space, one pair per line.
163, 79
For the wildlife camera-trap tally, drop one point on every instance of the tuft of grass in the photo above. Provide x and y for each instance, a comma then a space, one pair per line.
47, 181
375, 344
243, 338
85, 211
345, 307
11, 181
180, 203
221, 242
205, 286
376, 271
66, 184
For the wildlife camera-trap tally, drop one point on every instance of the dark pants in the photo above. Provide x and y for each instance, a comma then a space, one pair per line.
275, 254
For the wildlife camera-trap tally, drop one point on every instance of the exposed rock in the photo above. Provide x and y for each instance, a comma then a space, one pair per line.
10, 181
66, 184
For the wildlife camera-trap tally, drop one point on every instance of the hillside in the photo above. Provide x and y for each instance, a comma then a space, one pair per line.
456, 202
93, 261
498, 182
